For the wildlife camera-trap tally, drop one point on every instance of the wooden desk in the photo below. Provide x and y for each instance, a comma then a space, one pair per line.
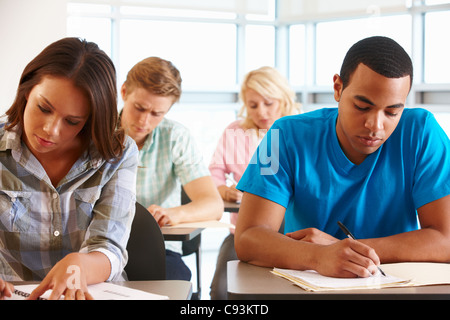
180, 234
231, 206
246, 281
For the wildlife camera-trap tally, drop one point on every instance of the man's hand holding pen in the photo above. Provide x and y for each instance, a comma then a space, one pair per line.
346, 258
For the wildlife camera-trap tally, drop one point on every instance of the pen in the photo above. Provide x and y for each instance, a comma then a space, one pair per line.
350, 235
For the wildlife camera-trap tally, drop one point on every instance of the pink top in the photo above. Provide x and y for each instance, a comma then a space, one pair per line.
233, 153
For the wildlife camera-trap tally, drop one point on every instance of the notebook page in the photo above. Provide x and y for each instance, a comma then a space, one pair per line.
313, 281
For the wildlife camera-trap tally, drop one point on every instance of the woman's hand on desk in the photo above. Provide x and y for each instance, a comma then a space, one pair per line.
71, 276
230, 194
6, 289
58, 281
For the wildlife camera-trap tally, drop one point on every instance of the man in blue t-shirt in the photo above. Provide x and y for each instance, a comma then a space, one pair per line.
381, 169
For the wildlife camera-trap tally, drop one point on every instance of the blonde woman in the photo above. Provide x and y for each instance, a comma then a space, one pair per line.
266, 97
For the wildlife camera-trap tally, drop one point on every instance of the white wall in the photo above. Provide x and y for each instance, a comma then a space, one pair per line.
26, 27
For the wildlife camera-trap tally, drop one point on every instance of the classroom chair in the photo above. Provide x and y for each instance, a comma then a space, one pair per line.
146, 248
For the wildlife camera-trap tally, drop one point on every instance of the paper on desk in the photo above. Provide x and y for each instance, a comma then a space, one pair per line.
100, 291
312, 281
421, 273
203, 224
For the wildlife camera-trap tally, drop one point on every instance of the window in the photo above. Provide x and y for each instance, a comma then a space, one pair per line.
335, 38
205, 53
146, 12
213, 50
259, 47
434, 2
437, 48
96, 30
297, 55
443, 118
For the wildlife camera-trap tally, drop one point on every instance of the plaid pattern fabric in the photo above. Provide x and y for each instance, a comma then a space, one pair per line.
168, 159
90, 210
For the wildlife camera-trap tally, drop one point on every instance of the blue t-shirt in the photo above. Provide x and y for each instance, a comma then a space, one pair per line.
301, 166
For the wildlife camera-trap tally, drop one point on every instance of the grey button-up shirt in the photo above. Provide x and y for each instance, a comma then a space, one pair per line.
90, 210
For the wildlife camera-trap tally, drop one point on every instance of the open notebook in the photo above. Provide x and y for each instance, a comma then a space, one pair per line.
397, 275
100, 291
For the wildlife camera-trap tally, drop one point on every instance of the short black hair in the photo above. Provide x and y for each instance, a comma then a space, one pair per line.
381, 54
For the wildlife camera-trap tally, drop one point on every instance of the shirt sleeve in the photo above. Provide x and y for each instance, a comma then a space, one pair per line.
187, 157
432, 172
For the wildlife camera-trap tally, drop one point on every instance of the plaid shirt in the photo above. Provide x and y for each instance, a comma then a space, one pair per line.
90, 210
168, 159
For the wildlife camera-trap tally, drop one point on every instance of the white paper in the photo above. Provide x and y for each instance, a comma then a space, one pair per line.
100, 291
313, 281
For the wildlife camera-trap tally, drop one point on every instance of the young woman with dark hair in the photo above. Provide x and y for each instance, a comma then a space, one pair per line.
67, 193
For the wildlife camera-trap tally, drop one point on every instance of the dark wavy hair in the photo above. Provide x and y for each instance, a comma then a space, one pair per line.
92, 71
381, 54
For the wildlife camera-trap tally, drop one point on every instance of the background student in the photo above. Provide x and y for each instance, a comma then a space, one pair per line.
379, 168
168, 156
267, 96
68, 174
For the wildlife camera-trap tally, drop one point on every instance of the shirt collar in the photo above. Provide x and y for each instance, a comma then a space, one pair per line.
10, 139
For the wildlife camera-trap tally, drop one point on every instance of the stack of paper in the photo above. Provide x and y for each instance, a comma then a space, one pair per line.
312, 281
397, 275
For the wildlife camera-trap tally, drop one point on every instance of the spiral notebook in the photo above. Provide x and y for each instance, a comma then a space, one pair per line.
100, 291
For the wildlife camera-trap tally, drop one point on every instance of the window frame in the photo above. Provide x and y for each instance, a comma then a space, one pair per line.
428, 95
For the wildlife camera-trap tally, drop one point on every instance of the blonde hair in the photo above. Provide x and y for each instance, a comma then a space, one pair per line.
268, 82
155, 75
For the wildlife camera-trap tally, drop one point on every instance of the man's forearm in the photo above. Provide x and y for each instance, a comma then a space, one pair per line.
420, 245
